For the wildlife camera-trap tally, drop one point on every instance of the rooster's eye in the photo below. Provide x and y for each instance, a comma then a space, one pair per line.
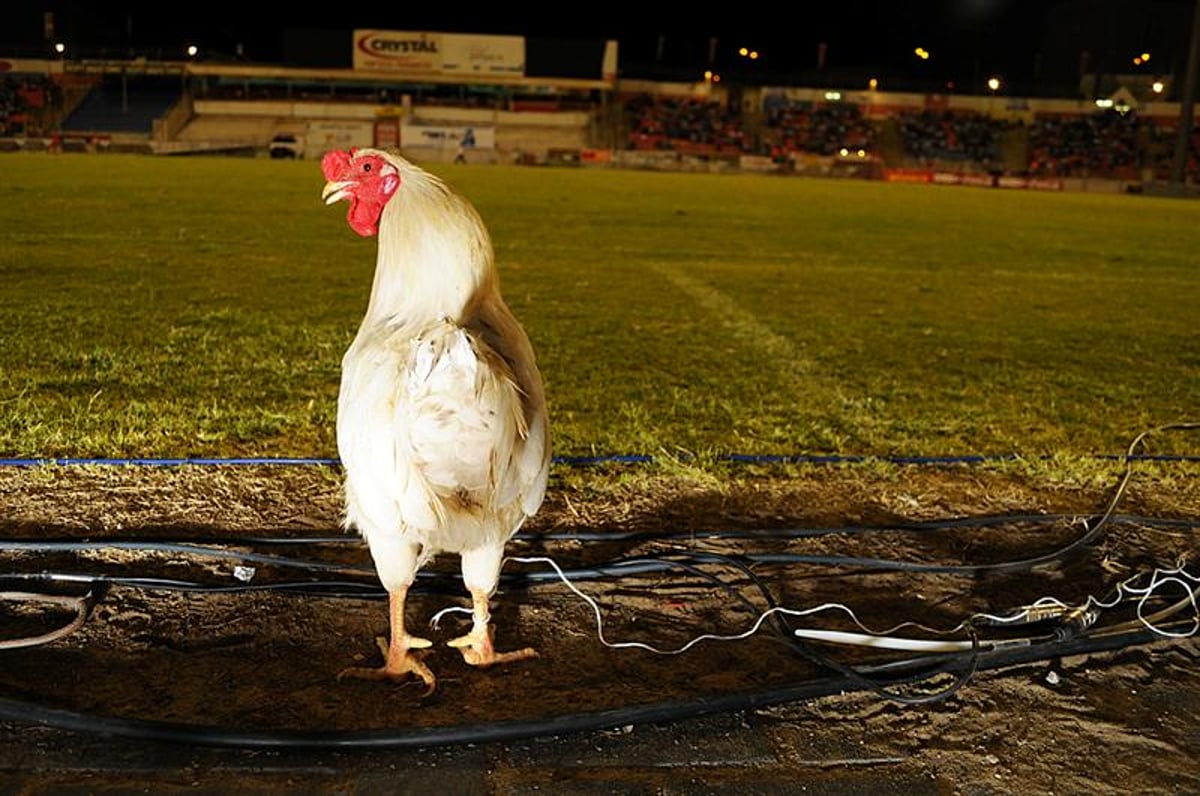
366, 167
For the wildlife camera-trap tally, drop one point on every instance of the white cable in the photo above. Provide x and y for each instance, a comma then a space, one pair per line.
707, 636
885, 639
453, 609
1037, 607
884, 642
79, 604
1125, 590
1171, 577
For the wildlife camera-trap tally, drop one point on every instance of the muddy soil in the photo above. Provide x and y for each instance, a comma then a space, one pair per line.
265, 661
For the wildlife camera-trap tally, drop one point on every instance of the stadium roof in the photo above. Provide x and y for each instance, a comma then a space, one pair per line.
1031, 43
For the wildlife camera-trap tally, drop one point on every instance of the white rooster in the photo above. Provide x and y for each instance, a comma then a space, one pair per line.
442, 425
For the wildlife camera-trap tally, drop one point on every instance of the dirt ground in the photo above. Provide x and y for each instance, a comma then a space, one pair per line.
1125, 721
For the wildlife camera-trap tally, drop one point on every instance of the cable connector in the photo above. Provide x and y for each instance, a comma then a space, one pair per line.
1076, 622
1025, 615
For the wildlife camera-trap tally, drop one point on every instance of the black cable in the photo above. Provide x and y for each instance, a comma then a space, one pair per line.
953, 523
966, 662
185, 548
349, 589
318, 588
1053, 557
200, 548
898, 672
441, 583
981, 521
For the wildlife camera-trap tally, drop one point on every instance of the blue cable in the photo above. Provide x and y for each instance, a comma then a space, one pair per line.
153, 462
798, 458
575, 461
610, 458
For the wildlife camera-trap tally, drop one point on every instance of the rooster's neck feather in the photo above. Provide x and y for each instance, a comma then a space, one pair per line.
435, 257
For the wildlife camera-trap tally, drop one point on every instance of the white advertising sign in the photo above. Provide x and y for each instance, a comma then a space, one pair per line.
424, 53
483, 55
445, 137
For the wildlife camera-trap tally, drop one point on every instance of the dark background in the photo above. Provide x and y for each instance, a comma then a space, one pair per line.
1037, 47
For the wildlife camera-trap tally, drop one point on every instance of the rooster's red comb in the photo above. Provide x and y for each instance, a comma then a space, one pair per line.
335, 163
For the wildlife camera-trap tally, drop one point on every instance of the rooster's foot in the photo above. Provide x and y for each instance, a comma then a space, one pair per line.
477, 650
398, 664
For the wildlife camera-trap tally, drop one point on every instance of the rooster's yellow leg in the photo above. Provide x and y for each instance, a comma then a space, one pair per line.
399, 661
476, 647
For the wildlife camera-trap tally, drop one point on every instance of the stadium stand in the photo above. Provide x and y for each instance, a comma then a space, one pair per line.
816, 129
177, 108
1161, 149
687, 125
126, 105
444, 95
22, 99
964, 138
1104, 144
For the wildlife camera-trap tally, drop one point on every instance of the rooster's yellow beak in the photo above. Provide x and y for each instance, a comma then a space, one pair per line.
336, 191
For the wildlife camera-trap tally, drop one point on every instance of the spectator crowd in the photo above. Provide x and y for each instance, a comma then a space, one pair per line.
957, 136
21, 99
684, 124
1104, 144
1108, 144
1162, 138
816, 129
1111, 143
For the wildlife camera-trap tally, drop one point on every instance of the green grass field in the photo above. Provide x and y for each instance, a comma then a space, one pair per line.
201, 307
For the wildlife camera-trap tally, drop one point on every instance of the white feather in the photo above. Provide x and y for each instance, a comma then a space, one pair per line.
442, 426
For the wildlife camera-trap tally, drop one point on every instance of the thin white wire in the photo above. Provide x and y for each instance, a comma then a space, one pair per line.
1158, 579
1171, 577
705, 637
1038, 606
436, 619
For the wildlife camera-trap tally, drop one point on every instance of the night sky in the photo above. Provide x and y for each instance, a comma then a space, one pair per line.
1030, 43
